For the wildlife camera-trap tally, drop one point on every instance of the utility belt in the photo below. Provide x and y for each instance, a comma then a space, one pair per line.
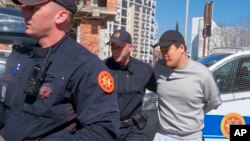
138, 120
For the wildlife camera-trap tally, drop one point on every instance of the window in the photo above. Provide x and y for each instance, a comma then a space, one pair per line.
234, 76
225, 76
242, 80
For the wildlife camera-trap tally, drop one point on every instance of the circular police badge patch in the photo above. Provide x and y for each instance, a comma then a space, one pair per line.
230, 119
106, 82
45, 91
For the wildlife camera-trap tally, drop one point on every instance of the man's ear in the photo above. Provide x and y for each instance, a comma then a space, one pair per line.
62, 16
182, 47
131, 47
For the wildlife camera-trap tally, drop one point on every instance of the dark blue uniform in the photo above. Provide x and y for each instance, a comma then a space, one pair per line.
70, 105
131, 82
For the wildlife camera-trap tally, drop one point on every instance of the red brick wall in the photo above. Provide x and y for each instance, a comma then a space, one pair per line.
90, 35
112, 5
90, 29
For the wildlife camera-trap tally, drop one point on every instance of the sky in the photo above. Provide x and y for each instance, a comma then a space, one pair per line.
225, 12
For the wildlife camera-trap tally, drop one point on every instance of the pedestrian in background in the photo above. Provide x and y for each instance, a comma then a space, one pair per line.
56, 90
186, 92
132, 78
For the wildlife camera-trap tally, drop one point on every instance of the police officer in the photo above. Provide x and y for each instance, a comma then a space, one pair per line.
56, 90
132, 77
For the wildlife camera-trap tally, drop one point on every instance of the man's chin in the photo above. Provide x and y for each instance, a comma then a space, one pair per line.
169, 65
28, 33
116, 59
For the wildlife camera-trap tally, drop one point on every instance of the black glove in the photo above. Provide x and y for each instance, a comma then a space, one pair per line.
139, 121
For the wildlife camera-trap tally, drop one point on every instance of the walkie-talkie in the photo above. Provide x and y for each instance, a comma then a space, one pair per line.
36, 78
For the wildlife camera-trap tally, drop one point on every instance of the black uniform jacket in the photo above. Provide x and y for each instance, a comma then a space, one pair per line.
131, 82
70, 105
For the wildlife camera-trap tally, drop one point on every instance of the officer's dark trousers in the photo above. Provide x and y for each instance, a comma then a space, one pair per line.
131, 133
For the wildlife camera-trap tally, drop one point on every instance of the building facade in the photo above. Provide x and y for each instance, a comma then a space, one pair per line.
197, 39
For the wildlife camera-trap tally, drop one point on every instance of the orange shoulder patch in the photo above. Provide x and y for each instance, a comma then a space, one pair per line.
106, 82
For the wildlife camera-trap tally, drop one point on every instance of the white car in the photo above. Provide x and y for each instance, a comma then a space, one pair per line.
231, 71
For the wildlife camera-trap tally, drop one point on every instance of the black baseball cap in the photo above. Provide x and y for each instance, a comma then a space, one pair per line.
120, 37
68, 4
170, 37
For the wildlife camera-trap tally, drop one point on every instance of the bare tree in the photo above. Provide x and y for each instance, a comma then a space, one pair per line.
230, 36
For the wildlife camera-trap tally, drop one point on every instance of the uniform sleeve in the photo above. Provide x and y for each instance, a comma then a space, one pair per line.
1, 116
211, 94
97, 111
151, 84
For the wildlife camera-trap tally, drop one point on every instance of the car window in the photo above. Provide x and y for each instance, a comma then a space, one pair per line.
225, 76
234, 76
242, 80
